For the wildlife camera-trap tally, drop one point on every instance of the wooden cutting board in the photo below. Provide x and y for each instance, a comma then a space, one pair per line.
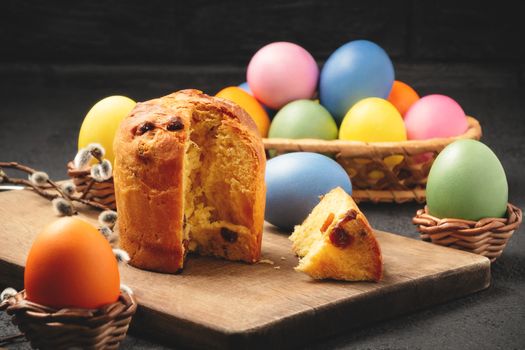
220, 304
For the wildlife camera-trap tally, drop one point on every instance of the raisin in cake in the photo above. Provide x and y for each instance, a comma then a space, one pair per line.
336, 241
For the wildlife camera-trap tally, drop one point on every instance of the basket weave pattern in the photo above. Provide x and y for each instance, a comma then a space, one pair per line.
48, 328
100, 192
487, 237
369, 164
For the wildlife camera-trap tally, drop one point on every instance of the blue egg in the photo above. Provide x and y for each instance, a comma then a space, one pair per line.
246, 87
357, 70
294, 182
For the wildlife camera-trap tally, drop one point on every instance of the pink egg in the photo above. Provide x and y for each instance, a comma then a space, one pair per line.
435, 116
282, 72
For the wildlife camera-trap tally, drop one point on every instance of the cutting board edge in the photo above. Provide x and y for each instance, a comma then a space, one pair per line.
278, 331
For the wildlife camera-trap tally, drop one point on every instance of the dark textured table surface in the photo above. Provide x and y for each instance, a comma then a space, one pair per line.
42, 106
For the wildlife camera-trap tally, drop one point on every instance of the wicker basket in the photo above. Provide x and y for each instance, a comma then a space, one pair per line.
48, 328
403, 182
100, 192
487, 237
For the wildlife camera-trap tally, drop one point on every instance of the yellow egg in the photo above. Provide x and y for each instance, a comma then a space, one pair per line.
374, 119
102, 121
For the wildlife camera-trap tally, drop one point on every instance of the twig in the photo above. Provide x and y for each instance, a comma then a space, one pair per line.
88, 187
90, 203
28, 170
34, 187
40, 190
18, 166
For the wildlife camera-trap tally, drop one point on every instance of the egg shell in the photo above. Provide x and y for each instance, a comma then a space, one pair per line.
467, 181
303, 119
102, 121
71, 264
269, 111
250, 105
402, 96
435, 116
356, 70
246, 87
282, 72
373, 119
294, 182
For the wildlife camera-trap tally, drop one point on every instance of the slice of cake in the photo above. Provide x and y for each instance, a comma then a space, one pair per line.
189, 176
336, 241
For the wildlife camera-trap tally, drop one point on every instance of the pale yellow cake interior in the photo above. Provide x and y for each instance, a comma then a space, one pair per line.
325, 215
320, 257
218, 184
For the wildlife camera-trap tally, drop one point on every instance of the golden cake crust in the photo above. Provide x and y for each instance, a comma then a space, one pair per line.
148, 174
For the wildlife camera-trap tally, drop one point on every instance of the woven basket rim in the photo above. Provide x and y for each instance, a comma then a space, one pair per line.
83, 172
19, 302
487, 236
54, 328
72, 171
101, 192
61, 328
362, 148
42, 313
511, 221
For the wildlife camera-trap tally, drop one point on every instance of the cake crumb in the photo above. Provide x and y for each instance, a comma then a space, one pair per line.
283, 258
277, 267
266, 261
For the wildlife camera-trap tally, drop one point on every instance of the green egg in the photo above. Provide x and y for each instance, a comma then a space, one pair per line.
303, 119
467, 181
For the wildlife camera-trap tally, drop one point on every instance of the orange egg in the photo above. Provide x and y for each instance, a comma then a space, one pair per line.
250, 105
402, 96
71, 265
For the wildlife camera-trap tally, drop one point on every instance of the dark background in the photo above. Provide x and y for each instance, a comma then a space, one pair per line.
57, 58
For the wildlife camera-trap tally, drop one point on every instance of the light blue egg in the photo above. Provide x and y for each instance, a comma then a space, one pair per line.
246, 87
294, 182
357, 70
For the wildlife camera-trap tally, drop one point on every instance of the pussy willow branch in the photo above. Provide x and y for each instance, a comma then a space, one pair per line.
30, 171
42, 192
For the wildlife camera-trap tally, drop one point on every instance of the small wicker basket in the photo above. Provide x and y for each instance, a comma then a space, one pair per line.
487, 237
48, 328
100, 192
403, 182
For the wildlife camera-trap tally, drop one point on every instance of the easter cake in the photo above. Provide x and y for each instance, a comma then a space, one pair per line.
336, 241
189, 177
